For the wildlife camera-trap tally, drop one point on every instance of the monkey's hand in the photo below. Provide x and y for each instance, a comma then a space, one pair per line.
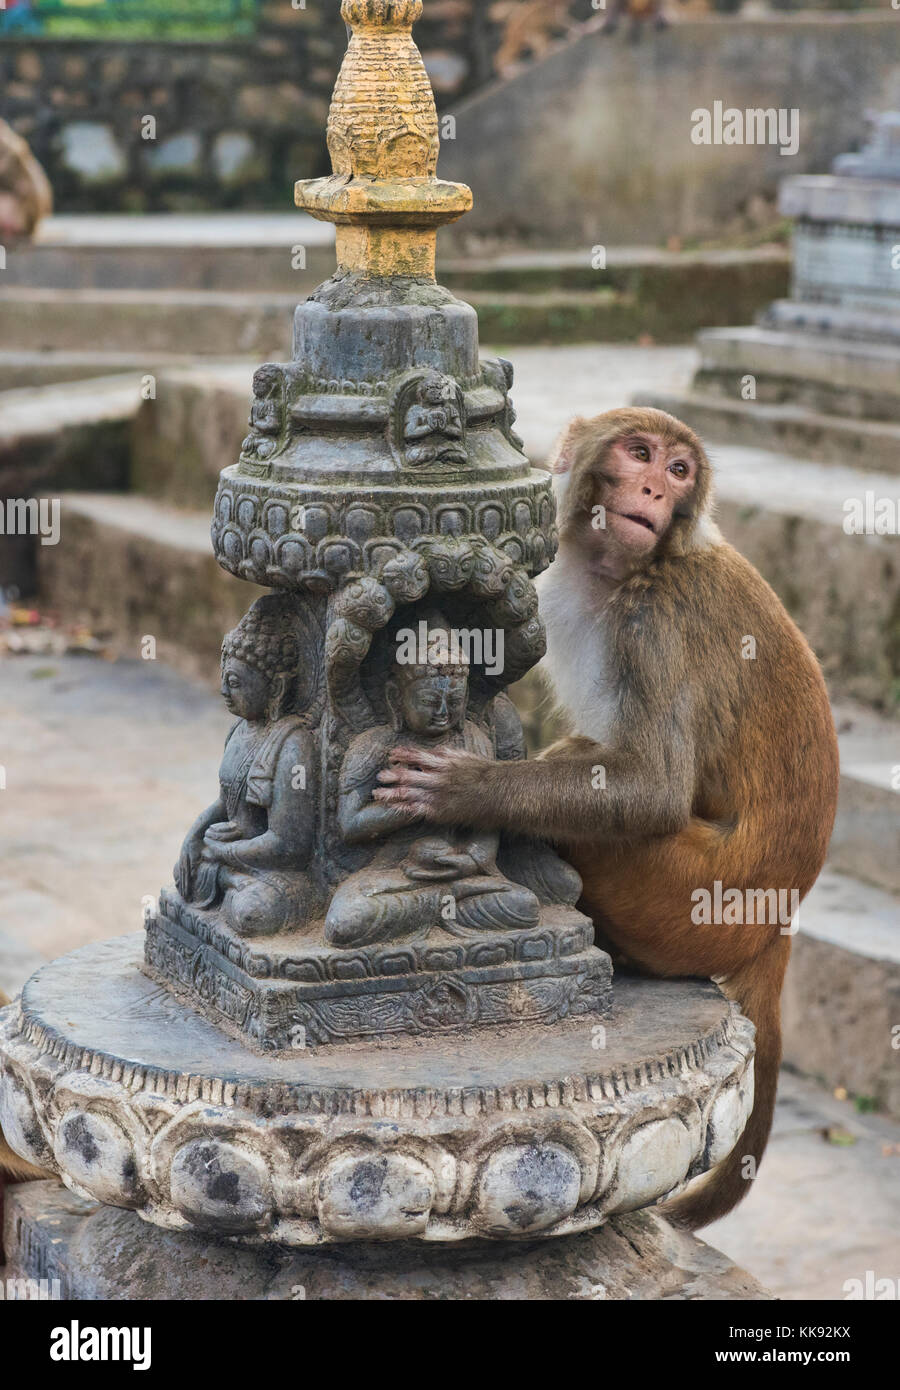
437, 785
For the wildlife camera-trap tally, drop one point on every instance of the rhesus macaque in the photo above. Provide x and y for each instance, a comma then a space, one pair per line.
641, 13
25, 193
702, 750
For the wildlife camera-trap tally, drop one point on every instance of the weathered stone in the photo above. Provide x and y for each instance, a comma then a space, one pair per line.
74, 67
382, 492
90, 150
446, 71
103, 1254
132, 567
114, 67
280, 105
880, 156
235, 157
177, 154
137, 1100
842, 993
28, 66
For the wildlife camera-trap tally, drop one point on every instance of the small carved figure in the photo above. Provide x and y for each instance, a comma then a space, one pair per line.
250, 849
266, 413
433, 425
416, 882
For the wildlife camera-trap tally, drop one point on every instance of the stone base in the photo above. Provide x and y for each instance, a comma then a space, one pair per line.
819, 370
280, 992
138, 1101
101, 1253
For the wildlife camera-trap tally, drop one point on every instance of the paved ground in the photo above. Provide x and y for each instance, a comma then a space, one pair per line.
184, 229
107, 764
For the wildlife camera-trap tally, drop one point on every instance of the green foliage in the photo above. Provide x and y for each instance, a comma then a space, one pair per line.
134, 19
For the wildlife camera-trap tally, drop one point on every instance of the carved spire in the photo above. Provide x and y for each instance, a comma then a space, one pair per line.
383, 195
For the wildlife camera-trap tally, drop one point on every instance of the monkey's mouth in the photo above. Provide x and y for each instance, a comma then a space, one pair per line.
638, 520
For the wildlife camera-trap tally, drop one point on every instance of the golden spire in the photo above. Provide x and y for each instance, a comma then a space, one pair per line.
383, 195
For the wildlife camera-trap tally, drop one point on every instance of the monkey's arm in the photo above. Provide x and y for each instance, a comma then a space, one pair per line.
638, 785
637, 782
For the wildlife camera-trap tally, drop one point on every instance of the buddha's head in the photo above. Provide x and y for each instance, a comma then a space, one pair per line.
428, 696
259, 663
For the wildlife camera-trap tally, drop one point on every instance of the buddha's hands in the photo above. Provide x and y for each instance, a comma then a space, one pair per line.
218, 840
186, 867
185, 871
436, 784
224, 830
434, 860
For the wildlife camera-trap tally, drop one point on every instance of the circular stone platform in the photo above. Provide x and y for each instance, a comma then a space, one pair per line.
135, 1100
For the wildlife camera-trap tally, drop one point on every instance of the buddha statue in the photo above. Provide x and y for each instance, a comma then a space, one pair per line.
420, 879
248, 852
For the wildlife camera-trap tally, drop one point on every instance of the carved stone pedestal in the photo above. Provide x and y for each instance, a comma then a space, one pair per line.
351, 1020
138, 1101
99, 1253
281, 994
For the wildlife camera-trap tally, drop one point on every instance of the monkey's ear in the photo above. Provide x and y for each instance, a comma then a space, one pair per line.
566, 447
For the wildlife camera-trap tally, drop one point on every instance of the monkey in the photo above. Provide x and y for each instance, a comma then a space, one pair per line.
529, 28
686, 684
641, 13
25, 193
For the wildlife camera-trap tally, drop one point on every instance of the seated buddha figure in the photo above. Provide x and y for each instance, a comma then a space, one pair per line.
419, 878
249, 850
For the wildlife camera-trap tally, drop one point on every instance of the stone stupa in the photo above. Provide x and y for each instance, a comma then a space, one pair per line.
340, 1025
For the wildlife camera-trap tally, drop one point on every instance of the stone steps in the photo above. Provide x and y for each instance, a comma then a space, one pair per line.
21, 371
182, 440
866, 839
55, 430
257, 251
136, 567
201, 286
236, 323
132, 567
225, 323
842, 993
840, 376
191, 251
785, 513
869, 445
52, 438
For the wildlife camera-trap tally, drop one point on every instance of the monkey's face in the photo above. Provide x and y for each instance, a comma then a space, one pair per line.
642, 481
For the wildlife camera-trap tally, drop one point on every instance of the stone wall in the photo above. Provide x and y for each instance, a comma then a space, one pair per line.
592, 145
236, 122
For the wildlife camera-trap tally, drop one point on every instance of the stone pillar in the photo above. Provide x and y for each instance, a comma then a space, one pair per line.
347, 1024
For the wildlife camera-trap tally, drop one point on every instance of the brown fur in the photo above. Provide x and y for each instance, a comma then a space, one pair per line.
717, 767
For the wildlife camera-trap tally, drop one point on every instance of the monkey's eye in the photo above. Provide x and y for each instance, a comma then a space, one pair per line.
679, 468
641, 452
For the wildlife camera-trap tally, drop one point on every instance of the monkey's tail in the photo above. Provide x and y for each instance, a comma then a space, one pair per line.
757, 989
